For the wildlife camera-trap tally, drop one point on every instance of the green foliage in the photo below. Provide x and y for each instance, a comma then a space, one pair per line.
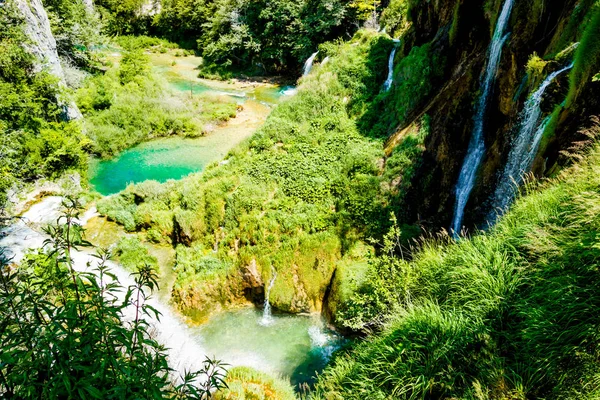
535, 67
292, 198
33, 141
141, 42
414, 78
258, 37
133, 255
506, 314
129, 104
395, 17
123, 17
63, 334
246, 383
587, 58
384, 285
75, 29
135, 65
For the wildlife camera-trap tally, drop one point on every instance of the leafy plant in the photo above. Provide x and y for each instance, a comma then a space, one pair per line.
62, 333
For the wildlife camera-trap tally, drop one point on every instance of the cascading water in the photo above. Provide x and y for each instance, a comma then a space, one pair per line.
184, 353
524, 148
325, 61
309, 63
390, 77
267, 318
476, 148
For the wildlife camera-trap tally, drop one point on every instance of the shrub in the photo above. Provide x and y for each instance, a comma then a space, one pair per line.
133, 255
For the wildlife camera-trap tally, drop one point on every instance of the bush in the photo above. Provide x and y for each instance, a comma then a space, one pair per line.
247, 383
133, 255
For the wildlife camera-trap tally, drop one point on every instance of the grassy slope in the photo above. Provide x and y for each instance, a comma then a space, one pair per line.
512, 313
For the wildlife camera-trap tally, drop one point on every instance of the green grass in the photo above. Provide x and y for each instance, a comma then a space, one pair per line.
511, 313
130, 104
248, 384
587, 57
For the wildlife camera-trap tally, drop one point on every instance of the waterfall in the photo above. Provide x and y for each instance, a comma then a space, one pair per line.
308, 64
267, 318
390, 77
325, 61
523, 148
476, 148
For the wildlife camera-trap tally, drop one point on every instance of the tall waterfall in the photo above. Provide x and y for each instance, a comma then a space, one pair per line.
476, 148
309, 63
267, 318
524, 148
390, 77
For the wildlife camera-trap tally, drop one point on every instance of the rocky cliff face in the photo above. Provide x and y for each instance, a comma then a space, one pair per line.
460, 32
43, 46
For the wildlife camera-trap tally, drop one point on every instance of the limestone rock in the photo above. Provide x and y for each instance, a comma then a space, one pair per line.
43, 46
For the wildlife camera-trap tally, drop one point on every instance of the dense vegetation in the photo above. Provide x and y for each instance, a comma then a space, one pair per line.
34, 140
129, 104
318, 196
246, 36
123, 106
507, 314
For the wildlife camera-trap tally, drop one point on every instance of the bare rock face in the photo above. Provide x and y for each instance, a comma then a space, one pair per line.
43, 46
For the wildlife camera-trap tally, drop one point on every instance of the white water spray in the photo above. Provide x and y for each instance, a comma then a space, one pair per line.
309, 63
184, 353
325, 61
476, 149
523, 149
390, 77
267, 318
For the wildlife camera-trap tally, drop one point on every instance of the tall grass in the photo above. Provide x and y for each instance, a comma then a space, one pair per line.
511, 313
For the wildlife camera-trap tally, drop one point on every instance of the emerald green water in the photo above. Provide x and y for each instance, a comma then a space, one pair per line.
161, 160
292, 346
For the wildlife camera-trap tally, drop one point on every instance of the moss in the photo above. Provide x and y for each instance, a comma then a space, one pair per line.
247, 383
535, 67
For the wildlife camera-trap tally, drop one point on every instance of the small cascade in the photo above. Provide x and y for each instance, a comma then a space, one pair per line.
476, 149
390, 77
267, 318
523, 148
309, 63
325, 343
289, 91
325, 61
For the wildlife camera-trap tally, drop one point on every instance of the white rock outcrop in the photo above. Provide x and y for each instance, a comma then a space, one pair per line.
43, 46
